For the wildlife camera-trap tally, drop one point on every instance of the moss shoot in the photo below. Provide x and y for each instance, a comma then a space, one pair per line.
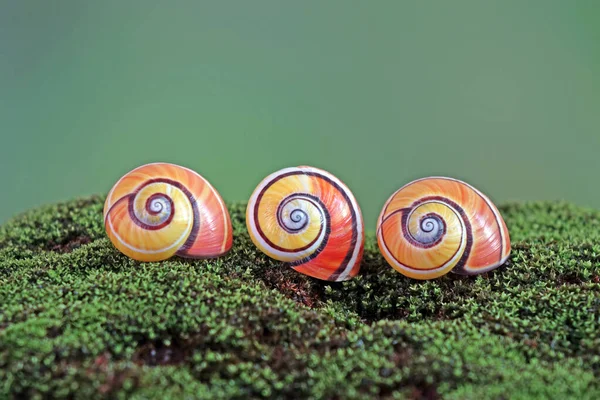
80, 320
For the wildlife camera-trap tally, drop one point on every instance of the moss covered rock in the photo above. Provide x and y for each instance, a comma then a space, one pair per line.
78, 319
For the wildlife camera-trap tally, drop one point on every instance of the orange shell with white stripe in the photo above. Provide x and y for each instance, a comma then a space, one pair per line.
435, 225
160, 210
308, 218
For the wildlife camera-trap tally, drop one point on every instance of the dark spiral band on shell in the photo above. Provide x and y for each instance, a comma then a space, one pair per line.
325, 224
407, 212
131, 203
475, 238
160, 199
427, 224
313, 216
296, 215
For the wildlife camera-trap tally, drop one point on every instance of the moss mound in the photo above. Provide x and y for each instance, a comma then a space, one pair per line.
80, 320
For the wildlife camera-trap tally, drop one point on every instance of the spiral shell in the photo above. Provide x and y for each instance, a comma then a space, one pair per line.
435, 225
158, 210
307, 217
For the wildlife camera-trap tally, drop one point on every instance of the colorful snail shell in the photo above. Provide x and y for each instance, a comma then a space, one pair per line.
159, 210
307, 217
435, 225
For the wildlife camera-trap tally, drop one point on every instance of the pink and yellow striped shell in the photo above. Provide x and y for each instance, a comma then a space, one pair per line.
307, 217
435, 225
160, 210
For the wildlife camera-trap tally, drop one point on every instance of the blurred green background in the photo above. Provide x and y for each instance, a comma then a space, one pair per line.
505, 95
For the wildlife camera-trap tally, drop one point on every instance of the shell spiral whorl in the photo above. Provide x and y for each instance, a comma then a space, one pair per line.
158, 210
435, 225
307, 217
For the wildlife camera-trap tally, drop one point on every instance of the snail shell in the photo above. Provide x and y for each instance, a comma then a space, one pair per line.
307, 217
158, 210
435, 225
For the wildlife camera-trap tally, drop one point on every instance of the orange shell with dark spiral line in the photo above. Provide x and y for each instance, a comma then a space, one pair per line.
307, 217
160, 210
435, 225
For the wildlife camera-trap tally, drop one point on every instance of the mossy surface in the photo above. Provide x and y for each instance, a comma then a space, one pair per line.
80, 320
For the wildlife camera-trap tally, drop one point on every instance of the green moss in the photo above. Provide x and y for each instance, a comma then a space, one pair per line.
78, 319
